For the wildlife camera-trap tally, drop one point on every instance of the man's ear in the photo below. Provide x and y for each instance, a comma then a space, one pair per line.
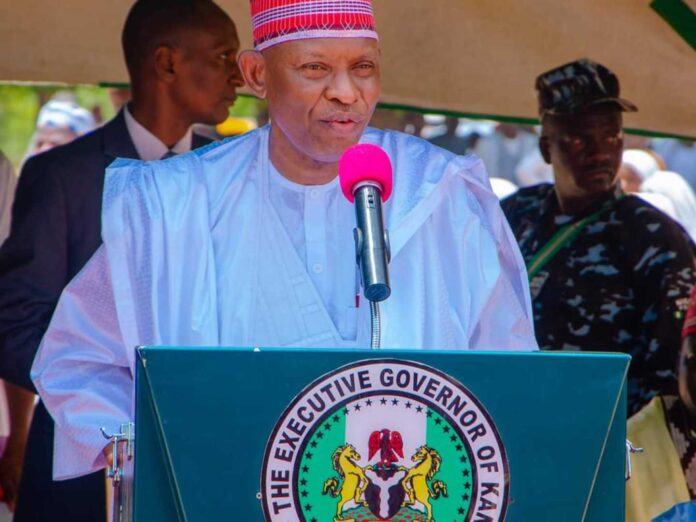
253, 67
545, 148
165, 63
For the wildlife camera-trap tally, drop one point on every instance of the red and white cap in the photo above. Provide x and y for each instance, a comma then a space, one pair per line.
277, 21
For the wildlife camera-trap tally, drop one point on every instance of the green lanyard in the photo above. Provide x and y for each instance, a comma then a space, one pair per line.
562, 238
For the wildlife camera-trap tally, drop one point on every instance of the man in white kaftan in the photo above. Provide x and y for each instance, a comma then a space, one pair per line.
222, 247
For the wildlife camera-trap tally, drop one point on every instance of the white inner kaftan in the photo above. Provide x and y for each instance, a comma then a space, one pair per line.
196, 254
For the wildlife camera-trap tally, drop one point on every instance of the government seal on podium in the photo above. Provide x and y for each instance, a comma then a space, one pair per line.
385, 440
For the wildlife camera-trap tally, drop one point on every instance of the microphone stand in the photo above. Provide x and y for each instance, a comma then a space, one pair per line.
376, 324
375, 317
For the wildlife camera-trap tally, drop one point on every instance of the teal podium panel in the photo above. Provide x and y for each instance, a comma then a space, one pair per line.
328, 435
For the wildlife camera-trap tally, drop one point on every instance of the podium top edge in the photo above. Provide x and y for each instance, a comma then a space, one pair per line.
386, 353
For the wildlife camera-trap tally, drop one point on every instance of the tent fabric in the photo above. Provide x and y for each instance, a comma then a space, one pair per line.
461, 56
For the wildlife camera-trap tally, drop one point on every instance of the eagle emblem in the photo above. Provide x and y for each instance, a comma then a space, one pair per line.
385, 488
389, 444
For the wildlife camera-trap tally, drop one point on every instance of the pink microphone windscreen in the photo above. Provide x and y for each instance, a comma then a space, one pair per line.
365, 163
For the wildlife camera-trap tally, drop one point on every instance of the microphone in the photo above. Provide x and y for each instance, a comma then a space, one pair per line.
365, 174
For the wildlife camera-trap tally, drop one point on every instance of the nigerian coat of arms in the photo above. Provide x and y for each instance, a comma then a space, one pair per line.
385, 440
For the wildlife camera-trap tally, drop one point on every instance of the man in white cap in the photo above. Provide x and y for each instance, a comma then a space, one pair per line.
59, 122
249, 242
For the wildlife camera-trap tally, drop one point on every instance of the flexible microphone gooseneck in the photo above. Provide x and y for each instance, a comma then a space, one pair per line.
365, 174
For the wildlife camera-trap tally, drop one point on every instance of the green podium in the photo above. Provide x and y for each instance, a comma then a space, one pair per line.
327, 435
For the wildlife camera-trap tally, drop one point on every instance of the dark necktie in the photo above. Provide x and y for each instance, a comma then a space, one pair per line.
168, 154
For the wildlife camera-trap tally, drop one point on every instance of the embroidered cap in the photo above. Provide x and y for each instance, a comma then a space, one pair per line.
579, 85
277, 21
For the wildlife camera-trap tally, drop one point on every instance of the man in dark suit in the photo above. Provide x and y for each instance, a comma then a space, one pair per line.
181, 58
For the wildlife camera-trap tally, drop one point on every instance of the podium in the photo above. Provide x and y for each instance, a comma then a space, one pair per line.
323, 435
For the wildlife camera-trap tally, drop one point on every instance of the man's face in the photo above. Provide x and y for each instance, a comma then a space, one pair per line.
321, 93
585, 151
207, 75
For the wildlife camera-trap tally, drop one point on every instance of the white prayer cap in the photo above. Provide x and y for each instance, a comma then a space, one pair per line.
642, 163
60, 113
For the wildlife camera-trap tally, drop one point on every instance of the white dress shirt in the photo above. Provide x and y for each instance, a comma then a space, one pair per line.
149, 146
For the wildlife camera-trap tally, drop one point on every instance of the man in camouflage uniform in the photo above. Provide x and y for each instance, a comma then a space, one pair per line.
608, 272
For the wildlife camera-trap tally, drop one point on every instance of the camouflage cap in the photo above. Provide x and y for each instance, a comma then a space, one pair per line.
578, 85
